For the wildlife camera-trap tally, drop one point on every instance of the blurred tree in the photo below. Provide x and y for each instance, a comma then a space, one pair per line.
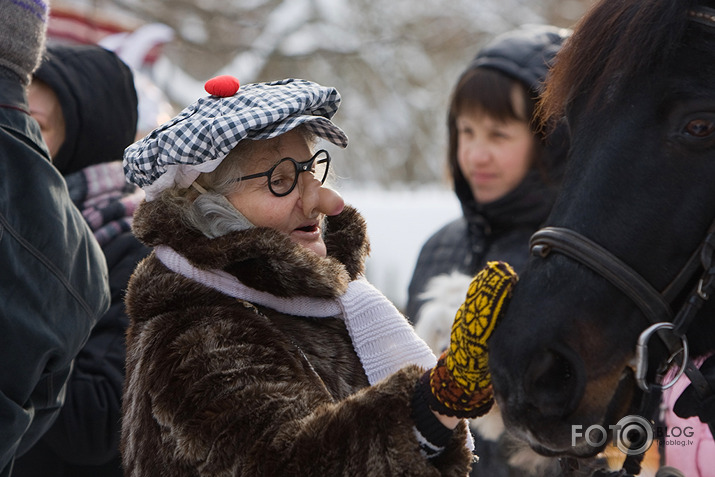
394, 62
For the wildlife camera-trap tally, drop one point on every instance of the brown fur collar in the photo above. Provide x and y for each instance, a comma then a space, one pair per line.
263, 258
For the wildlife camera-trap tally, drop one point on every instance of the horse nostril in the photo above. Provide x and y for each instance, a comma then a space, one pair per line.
550, 384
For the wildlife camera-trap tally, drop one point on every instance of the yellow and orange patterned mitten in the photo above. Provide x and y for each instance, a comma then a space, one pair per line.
460, 384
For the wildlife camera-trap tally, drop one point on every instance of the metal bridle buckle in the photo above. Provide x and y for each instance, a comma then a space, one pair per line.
642, 357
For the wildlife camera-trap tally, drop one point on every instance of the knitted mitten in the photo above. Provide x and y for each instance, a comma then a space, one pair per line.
460, 383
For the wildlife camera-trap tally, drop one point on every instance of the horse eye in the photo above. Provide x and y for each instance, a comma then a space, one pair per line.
700, 127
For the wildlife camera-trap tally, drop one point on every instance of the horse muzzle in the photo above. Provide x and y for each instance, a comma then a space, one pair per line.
557, 412
552, 373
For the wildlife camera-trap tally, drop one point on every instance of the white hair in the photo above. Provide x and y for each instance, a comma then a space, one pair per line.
204, 205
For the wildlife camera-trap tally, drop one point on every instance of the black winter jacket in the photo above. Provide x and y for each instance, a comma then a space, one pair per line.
496, 231
84, 441
99, 104
53, 280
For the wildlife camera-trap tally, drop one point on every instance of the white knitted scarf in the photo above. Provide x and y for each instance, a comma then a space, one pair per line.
383, 339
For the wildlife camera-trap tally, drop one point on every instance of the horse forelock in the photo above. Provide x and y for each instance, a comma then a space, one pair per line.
612, 43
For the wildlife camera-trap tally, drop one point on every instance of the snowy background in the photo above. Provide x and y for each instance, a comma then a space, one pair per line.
394, 63
398, 223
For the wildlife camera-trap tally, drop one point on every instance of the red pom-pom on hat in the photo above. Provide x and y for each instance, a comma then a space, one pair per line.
222, 86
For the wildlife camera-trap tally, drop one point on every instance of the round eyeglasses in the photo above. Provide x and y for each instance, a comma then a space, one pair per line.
283, 176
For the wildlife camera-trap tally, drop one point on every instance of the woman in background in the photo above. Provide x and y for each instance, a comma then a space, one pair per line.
505, 172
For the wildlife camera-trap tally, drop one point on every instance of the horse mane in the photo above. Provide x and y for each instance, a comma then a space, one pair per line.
615, 40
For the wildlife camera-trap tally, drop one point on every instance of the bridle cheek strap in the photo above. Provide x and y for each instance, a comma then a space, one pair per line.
604, 263
652, 303
587, 252
703, 15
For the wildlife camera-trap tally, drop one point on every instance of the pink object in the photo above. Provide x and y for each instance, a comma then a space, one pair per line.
689, 445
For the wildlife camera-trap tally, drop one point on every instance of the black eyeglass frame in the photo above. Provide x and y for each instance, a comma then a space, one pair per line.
299, 167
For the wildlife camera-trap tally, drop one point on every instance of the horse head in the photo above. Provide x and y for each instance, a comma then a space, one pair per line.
635, 86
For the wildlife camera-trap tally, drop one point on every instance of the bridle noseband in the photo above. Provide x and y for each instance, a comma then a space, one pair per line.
653, 304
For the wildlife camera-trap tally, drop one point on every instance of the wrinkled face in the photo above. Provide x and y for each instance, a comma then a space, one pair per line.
493, 155
299, 214
46, 109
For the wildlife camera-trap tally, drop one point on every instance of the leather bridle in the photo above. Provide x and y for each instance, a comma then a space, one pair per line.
655, 306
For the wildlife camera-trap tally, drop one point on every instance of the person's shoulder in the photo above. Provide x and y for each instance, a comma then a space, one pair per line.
442, 252
449, 231
454, 231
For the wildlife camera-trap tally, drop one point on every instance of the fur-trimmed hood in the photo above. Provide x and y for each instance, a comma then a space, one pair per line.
263, 258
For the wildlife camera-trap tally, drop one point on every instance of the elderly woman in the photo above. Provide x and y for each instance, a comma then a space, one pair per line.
256, 346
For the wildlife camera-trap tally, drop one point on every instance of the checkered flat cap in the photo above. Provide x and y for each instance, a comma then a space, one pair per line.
201, 136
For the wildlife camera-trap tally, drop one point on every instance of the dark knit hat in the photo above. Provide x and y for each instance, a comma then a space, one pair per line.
23, 24
525, 54
96, 91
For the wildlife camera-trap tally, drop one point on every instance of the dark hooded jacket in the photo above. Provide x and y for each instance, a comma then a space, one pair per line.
96, 91
99, 103
53, 279
218, 386
499, 230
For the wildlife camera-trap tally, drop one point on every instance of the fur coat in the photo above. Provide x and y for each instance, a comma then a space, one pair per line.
222, 387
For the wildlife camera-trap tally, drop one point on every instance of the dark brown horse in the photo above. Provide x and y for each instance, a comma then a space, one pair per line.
636, 86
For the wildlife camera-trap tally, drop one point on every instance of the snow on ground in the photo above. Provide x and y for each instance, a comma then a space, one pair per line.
398, 223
